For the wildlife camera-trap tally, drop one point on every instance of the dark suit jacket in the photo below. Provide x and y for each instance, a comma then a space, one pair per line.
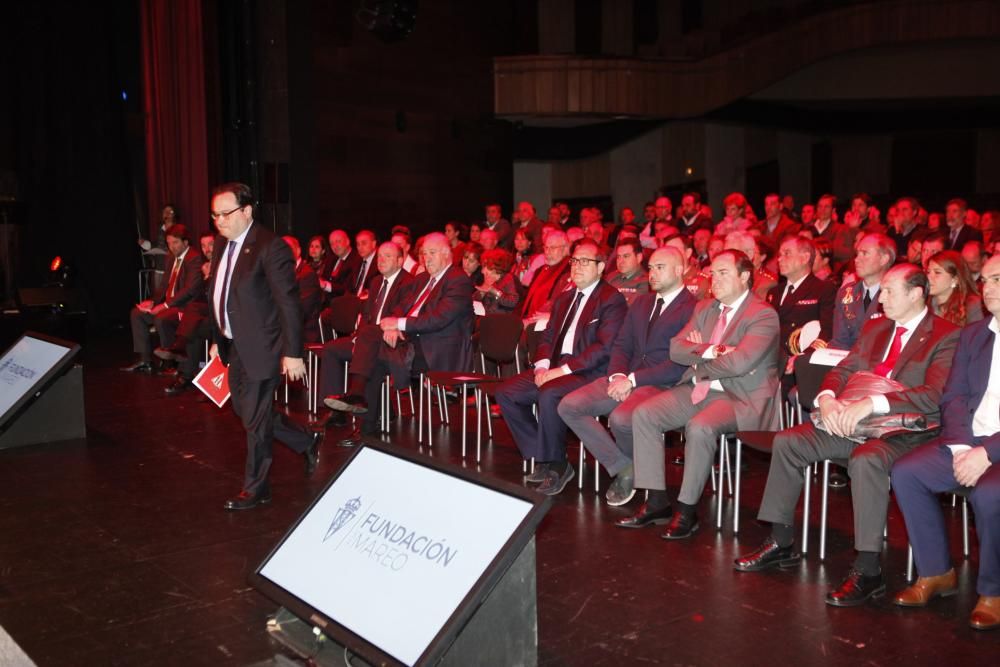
505, 236
444, 324
342, 274
813, 300
849, 315
965, 234
748, 373
263, 303
830, 234
190, 283
311, 298
370, 272
700, 221
396, 300
649, 357
786, 227
922, 365
601, 316
966, 386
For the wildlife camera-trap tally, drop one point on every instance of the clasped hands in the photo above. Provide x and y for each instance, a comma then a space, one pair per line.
543, 375
390, 331
841, 417
148, 307
969, 466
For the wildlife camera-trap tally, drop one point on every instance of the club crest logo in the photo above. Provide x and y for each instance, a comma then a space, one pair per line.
217, 380
343, 516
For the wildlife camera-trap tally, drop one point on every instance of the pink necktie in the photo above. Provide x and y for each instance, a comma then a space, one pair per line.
701, 388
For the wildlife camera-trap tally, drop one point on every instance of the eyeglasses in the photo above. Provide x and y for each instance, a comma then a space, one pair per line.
582, 261
216, 216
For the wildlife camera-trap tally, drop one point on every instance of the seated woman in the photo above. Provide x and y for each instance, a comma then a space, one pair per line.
471, 264
457, 235
499, 292
952, 293
525, 263
319, 258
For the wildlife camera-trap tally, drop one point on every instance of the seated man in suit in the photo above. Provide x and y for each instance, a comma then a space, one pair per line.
799, 298
970, 416
184, 283
390, 292
630, 279
309, 293
434, 332
959, 233
193, 330
731, 347
858, 302
345, 265
640, 367
366, 243
574, 351
911, 346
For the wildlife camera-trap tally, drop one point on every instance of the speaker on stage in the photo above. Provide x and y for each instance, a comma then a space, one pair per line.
405, 560
41, 392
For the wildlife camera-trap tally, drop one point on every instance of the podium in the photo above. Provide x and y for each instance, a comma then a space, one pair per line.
42, 396
404, 560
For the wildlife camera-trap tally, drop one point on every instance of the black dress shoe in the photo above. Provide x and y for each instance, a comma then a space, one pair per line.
246, 500
347, 403
178, 386
355, 439
311, 455
768, 555
856, 589
139, 367
645, 517
681, 526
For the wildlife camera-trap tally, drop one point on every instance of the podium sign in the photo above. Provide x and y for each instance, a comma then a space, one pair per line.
27, 369
397, 552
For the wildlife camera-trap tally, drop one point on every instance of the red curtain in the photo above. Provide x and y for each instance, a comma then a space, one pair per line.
174, 105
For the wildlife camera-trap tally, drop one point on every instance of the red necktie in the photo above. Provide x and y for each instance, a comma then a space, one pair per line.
701, 388
172, 284
885, 367
423, 298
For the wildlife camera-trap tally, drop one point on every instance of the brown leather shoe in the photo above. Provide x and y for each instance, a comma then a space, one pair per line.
986, 615
924, 589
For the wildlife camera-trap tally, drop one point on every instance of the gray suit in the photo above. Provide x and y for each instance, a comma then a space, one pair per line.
922, 367
749, 400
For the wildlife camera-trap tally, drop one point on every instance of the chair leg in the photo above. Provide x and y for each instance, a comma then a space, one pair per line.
465, 415
736, 494
420, 417
805, 509
965, 526
724, 443
479, 424
489, 414
382, 406
579, 481
909, 563
430, 413
720, 496
823, 508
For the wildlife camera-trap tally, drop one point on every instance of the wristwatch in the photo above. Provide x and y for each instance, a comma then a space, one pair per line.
719, 350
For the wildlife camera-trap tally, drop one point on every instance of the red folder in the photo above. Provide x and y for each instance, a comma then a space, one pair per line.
213, 381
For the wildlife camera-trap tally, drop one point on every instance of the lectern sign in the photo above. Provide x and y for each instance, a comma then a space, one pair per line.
391, 548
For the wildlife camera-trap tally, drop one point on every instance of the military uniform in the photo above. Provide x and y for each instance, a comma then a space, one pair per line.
630, 286
849, 314
698, 282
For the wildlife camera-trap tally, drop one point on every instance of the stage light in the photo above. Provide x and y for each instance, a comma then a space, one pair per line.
689, 171
56, 263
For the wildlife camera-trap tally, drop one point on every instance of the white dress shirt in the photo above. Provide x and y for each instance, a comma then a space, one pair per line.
709, 352
567, 345
401, 324
668, 299
227, 330
986, 420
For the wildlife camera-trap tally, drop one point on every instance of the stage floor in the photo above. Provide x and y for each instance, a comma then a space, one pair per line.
116, 550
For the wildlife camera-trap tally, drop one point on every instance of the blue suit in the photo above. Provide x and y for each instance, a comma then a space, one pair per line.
927, 471
642, 349
601, 317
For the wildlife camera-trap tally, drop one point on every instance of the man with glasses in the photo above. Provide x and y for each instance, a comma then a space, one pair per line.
574, 351
257, 329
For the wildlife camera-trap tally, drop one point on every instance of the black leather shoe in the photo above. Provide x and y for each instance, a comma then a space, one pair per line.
311, 455
165, 354
681, 526
246, 501
347, 403
331, 418
856, 589
768, 555
645, 517
355, 439
179, 386
139, 367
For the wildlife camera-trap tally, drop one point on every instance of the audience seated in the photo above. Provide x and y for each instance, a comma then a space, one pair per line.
310, 295
964, 456
574, 351
500, 291
952, 292
912, 347
184, 282
629, 278
344, 267
730, 348
499, 226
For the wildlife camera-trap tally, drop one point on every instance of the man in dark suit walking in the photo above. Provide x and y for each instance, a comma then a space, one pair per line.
911, 346
574, 351
640, 367
965, 455
258, 333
